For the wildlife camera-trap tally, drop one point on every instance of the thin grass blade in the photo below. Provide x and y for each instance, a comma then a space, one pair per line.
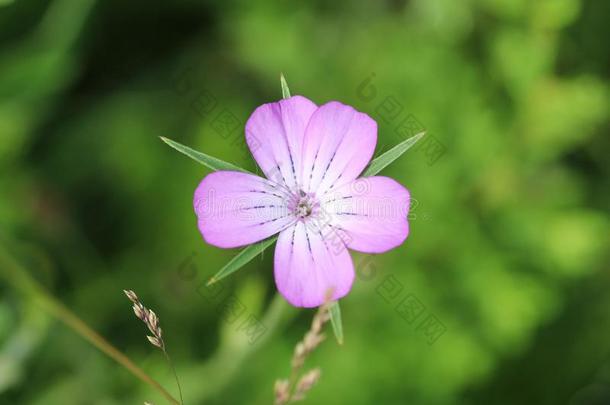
285, 89
379, 163
241, 259
335, 319
200, 157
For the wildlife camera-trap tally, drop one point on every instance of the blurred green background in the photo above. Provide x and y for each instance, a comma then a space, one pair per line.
509, 240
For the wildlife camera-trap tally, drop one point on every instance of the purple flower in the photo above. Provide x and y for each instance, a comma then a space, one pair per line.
312, 196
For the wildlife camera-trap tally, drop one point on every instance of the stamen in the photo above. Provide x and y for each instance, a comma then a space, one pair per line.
303, 204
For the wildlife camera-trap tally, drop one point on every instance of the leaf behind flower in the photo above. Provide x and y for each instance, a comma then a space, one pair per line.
335, 319
285, 89
200, 157
242, 258
380, 162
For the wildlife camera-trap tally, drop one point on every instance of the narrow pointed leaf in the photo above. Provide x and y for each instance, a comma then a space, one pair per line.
380, 162
285, 89
241, 259
200, 157
335, 320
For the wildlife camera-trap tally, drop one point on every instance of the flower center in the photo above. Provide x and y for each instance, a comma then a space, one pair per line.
303, 209
303, 204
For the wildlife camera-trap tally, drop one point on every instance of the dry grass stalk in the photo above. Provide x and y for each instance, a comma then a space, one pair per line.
291, 390
306, 382
151, 320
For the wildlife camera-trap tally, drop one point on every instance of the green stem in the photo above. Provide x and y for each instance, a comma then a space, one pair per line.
22, 281
171, 365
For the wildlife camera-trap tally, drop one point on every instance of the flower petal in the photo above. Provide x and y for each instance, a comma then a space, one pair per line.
235, 209
308, 266
339, 143
370, 213
274, 134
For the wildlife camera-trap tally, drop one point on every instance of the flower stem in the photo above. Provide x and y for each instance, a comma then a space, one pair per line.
22, 281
